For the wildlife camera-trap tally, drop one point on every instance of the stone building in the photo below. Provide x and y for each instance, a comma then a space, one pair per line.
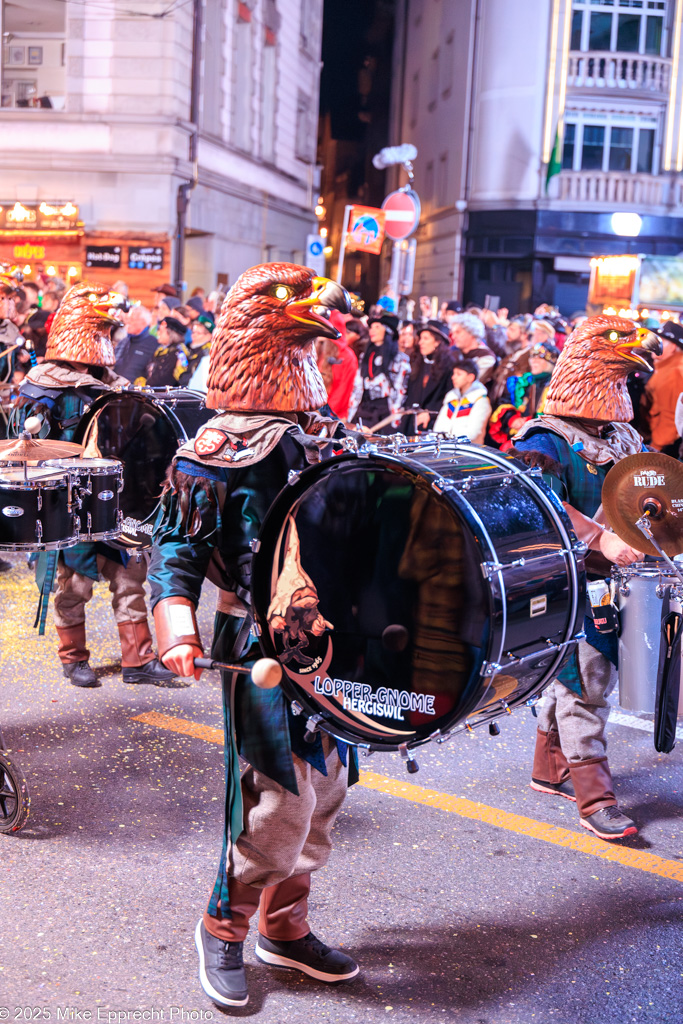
487, 89
128, 110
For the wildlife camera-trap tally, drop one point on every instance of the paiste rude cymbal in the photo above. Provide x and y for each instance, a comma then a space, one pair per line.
24, 449
646, 483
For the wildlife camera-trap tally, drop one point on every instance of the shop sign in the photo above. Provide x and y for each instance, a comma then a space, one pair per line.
39, 217
29, 252
145, 257
103, 256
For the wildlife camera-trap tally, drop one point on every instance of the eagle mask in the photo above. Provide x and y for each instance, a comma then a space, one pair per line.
81, 329
589, 379
263, 354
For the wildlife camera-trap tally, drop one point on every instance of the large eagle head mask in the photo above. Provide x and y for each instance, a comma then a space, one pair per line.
589, 379
81, 329
263, 354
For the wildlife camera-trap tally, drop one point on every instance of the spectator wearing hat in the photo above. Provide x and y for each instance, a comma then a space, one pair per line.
658, 404
171, 355
466, 408
196, 375
430, 376
380, 384
195, 307
467, 334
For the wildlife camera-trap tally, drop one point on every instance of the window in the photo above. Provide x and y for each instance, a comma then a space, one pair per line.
569, 142
447, 65
442, 181
304, 141
610, 143
619, 26
212, 77
433, 81
593, 146
620, 149
242, 91
309, 26
32, 55
271, 26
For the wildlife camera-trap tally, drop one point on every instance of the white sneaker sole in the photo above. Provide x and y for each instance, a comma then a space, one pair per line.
631, 830
205, 983
275, 960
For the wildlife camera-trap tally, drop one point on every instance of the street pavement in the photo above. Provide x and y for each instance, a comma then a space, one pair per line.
464, 895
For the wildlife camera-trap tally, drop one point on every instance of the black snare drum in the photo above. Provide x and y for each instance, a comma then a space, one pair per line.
36, 511
410, 593
143, 429
97, 484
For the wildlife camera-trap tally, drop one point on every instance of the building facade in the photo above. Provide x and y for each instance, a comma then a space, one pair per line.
498, 95
158, 121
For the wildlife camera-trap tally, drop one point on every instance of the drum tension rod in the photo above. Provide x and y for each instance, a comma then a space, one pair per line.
411, 764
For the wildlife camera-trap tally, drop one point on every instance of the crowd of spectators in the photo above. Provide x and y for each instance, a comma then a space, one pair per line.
469, 372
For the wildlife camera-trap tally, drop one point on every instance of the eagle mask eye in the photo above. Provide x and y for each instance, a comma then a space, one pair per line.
616, 335
281, 291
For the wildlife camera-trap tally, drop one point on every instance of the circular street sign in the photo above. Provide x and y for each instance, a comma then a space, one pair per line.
402, 211
315, 248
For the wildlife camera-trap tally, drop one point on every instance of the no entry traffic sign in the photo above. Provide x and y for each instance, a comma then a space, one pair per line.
402, 214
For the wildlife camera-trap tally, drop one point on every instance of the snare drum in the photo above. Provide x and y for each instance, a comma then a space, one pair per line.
409, 593
641, 589
142, 429
97, 484
36, 510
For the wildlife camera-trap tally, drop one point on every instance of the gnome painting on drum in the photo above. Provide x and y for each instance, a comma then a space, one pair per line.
584, 431
266, 388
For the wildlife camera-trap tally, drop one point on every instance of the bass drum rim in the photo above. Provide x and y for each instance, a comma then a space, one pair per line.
145, 398
288, 499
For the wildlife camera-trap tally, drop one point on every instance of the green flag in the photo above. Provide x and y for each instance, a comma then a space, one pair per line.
555, 162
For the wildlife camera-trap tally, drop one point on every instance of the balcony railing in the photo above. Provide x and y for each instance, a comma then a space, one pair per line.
616, 188
628, 71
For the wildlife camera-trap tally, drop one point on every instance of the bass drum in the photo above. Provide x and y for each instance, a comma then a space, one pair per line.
143, 429
408, 594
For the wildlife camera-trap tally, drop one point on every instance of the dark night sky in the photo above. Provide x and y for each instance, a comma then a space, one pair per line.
350, 33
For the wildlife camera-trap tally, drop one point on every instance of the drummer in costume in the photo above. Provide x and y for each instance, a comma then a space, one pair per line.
77, 369
583, 431
264, 381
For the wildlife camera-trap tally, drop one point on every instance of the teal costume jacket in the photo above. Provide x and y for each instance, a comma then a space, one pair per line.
205, 530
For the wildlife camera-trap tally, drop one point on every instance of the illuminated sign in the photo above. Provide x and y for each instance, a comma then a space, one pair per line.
103, 256
29, 252
39, 217
145, 257
366, 229
612, 279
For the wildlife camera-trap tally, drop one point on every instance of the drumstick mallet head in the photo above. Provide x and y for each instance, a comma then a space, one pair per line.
266, 673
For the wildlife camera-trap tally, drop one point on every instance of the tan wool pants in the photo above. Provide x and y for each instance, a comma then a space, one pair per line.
125, 583
285, 838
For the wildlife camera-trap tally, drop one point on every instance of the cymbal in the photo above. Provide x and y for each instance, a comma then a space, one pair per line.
24, 449
642, 483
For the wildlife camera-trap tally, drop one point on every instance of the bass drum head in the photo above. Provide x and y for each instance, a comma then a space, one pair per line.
144, 435
368, 589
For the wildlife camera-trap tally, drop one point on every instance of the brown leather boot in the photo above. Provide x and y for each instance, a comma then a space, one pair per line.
284, 908
74, 656
596, 801
550, 772
138, 663
244, 901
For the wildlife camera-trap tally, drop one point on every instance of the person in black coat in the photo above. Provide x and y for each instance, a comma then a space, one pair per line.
430, 376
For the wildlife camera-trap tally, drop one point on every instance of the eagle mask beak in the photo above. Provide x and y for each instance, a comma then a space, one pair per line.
325, 294
642, 348
103, 306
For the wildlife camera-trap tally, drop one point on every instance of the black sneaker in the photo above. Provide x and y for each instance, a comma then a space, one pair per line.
5, 566
221, 968
152, 672
309, 955
80, 674
563, 788
610, 823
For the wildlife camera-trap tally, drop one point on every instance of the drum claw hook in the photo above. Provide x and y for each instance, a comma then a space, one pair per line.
411, 764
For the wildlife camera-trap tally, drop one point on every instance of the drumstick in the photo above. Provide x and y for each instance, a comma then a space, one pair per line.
266, 673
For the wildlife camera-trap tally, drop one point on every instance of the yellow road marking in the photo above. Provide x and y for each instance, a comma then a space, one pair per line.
640, 859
